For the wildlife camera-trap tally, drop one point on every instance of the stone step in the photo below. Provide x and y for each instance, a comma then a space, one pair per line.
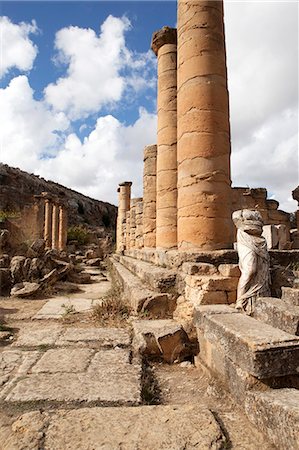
156, 278
277, 313
259, 349
290, 295
142, 299
276, 412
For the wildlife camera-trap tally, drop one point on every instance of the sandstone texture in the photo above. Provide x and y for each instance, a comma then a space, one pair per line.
277, 413
277, 313
160, 338
203, 148
258, 348
149, 196
171, 427
164, 45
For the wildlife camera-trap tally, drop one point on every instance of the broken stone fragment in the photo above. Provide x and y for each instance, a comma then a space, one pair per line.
160, 338
25, 289
94, 262
17, 269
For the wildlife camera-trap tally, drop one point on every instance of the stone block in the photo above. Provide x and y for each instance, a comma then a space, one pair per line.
160, 338
212, 283
276, 412
157, 278
277, 313
236, 380
25, 289
146, 427
140, 297
259, 349
36, 337
290, 295
199, 268
270, 233
63, 360
200, 312
94, 337
229, 270
111, 377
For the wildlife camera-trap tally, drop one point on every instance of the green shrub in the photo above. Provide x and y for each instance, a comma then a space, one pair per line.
8, 215
77, 233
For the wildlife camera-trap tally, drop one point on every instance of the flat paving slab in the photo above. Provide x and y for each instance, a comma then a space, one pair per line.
103, 337
61, 306
73, 375
145, 428
57, 336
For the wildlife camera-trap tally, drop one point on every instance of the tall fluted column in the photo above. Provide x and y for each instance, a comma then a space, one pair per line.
123, 206
204, 185
55, 226
164, 45
149, 196
48, 223
62, 237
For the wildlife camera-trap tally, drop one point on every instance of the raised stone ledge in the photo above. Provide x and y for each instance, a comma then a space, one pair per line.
276, 412
140, 298
277, 313
259, 349
174, 259
157, 278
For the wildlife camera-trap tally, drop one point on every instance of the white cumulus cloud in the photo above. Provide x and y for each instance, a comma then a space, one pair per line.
29, 130
16, 48
111, 153
94, 76
262, 57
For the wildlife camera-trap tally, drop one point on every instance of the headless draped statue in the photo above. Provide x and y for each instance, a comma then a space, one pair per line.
253, 259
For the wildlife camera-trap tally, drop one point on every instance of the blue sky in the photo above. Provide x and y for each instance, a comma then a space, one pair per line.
78, 91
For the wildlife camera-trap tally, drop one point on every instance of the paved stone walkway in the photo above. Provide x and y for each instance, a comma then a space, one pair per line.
66, 386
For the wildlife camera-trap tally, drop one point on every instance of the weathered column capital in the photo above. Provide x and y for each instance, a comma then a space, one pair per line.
126, 183
164, 36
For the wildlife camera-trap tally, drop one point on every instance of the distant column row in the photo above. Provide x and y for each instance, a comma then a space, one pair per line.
55, 224
186, 181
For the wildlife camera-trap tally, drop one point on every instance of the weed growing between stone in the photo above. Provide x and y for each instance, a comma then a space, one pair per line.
112, 310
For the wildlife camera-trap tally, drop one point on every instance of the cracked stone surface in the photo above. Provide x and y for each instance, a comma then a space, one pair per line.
103, 337
63, 360
59, 307
171, 427
76, 375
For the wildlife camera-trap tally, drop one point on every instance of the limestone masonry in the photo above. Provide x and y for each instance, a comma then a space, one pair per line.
176, 259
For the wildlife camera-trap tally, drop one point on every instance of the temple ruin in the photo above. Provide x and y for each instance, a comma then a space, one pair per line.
184, 264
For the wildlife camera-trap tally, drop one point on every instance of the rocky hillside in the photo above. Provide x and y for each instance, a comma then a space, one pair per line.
17, 189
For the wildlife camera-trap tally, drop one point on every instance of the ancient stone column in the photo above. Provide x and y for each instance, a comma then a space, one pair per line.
133, 222
123, 207
55, 226
48, 223
128, 227
62, 231
204, 185
139, 224
149, 196
164, 45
